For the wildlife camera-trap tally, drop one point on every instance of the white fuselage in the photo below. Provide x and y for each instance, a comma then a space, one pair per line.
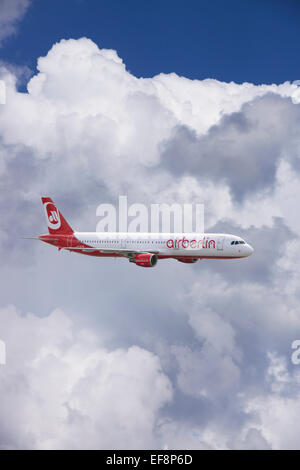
195, 245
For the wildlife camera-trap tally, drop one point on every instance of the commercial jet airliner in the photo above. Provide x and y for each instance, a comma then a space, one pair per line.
143, 249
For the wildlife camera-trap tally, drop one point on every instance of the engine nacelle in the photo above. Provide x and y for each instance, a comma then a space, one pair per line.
146, 260
187, 259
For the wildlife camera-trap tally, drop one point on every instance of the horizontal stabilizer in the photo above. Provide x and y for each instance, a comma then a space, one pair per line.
42, 239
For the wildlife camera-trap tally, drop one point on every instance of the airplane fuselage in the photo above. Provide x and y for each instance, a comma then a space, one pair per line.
143, 249
164, 245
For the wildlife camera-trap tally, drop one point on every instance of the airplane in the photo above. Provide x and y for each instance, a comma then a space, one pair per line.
143, 249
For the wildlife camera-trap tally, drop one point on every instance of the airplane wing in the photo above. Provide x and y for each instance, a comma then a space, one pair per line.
126, 253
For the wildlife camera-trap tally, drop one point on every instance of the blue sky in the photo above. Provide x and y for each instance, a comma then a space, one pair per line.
255, 41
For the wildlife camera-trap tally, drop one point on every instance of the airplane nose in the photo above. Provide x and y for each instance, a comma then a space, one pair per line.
250, 250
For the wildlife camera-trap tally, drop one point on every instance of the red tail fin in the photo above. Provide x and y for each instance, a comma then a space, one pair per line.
55, 220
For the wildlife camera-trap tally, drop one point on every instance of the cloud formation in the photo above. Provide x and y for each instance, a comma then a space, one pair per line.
11, 12
214, 338
64, 390
243, 149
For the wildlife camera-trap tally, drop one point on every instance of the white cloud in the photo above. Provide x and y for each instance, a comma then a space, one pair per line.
198, 371
278, 411
11, 12
279, 422
62, 389
87, 131
85, 110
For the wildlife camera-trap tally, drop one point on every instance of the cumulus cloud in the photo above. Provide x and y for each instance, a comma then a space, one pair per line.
62, 389
278, 410
215, 338
11, 12
198, 371
245, 147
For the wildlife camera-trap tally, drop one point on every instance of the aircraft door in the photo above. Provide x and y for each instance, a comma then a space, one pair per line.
220, 243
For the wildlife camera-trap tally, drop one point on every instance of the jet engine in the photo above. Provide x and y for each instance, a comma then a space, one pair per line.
146, 260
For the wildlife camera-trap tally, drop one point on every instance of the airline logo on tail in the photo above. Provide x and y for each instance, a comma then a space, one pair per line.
56, 222
52, 215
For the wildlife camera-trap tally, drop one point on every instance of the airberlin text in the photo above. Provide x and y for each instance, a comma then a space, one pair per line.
204, 242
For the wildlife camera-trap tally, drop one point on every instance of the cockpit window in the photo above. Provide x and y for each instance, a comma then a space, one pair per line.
232, 243
242, 242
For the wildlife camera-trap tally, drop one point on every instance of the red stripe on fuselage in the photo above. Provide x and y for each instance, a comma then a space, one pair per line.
69, 241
